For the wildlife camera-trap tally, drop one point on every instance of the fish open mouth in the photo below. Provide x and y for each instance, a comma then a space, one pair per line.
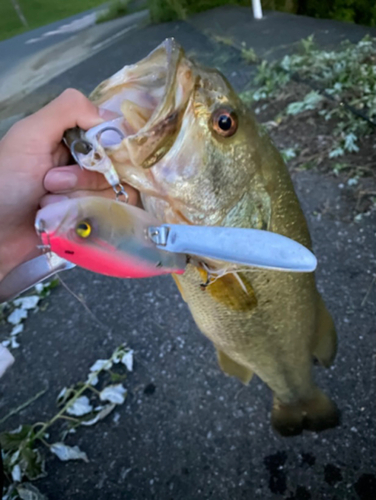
147, 100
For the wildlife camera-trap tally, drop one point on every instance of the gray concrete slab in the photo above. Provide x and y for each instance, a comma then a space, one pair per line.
186, 431
26, 67
278, 32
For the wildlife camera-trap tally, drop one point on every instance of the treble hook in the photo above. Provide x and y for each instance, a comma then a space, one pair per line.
40, 229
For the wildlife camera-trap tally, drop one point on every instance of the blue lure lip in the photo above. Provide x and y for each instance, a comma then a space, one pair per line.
248, 247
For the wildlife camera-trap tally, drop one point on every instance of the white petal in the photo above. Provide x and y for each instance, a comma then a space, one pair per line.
17, 316
80, 407
16, 473
65, 452
29, 302
100, 415
61, 394
13, 343
17, 329
99, 364
127, 360
93, 380
114, 394
6, 360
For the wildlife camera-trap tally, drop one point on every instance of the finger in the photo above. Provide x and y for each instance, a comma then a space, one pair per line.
133, 196
61, 156
108, 193
73, 178
69, 110
49, 199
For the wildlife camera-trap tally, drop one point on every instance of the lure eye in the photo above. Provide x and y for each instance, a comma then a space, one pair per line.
83, 229
225, 122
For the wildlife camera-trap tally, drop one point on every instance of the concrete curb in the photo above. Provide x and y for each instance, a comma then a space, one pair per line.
32, 72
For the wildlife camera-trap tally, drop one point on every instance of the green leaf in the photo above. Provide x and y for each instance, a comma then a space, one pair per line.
44, 289
27, 491
288, 154
249, 55
338, 167
350, 143
335, 153
247, 97
117, 377
32, 463
310, 101
12, 440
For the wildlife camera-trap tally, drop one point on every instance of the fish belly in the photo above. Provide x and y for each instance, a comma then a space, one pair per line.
267, 326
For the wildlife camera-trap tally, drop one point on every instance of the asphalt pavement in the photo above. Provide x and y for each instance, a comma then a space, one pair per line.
187, 431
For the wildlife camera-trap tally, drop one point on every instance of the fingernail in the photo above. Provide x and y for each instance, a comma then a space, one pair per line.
60, 181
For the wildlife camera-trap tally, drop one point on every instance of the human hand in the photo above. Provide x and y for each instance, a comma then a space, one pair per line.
34, 172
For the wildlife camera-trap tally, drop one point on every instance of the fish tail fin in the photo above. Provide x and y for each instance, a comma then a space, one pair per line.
325, 339
315, 414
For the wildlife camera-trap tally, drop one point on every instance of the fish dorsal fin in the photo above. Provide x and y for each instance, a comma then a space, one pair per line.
234, 292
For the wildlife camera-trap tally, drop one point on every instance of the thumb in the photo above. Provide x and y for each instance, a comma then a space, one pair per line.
69, 110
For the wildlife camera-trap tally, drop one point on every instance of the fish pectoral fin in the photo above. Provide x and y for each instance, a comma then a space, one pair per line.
233, 369
230, 292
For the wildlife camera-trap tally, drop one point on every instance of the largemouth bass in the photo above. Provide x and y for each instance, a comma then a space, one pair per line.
198, 156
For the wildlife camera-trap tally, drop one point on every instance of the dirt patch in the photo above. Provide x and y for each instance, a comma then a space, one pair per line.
308, 138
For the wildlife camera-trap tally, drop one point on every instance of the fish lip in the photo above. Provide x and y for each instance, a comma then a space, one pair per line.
165, 116
159, 71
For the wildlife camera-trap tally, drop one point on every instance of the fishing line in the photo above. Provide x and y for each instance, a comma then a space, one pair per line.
82, 302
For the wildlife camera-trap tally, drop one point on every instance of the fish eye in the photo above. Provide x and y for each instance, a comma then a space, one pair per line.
83, 229
225, 122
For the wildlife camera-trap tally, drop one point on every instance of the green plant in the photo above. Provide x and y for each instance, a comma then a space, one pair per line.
16, 311
169, 10
81, 405
288, 154
356, 11
347, 75
249, 55
116, 9
165, 10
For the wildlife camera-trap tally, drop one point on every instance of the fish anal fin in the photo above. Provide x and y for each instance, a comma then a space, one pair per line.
325, 340
229, 291
233, 369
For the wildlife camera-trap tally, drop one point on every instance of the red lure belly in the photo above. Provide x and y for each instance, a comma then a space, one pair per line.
104, 259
